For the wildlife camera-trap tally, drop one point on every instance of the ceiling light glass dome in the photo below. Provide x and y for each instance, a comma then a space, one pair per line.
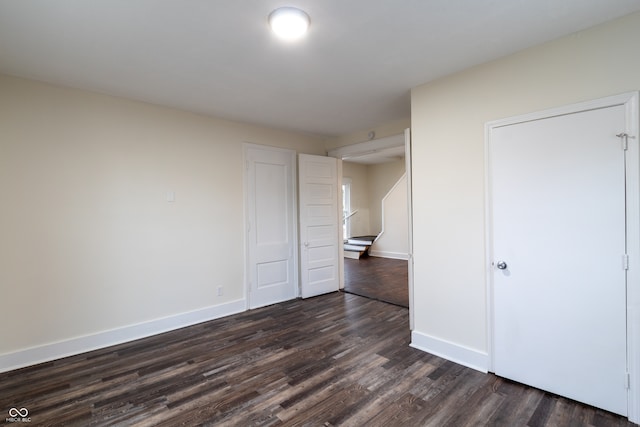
289, 23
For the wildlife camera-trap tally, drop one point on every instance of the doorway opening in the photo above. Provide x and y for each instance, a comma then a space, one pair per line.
375, 198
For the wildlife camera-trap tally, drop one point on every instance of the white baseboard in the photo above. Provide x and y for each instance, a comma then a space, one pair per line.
454, 352
57, 350
387, 254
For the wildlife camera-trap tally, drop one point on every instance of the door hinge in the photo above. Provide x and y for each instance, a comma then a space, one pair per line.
628, 380
625, 262
624, 137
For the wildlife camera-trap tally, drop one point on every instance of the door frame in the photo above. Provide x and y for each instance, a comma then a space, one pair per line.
246, 146
408, 171
630, 101
368, 147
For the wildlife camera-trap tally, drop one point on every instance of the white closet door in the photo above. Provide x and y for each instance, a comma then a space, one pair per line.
271, 214
557, 189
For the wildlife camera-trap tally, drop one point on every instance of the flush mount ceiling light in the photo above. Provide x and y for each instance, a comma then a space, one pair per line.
289, 23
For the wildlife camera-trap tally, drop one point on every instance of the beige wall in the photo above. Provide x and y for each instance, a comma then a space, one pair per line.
88, 241
382, 178
448, 118
360, 221
393, 242
369, 184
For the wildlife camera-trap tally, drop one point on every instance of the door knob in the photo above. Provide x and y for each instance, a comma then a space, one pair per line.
501, 265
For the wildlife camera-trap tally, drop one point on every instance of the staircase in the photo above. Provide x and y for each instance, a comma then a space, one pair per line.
356, 247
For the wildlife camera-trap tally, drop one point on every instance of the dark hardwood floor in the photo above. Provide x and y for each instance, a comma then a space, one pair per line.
382, 279
338, 359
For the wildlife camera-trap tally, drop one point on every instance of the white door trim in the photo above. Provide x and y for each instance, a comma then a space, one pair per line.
407, 159
367, 147
246, 146
630, 102
341, 239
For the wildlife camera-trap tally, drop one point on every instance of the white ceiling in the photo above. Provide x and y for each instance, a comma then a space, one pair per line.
352, 72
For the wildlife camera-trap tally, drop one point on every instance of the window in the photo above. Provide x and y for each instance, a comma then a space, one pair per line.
346, 208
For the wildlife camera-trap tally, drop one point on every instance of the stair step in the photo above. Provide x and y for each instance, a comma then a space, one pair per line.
352, 254
356, 248
361, 240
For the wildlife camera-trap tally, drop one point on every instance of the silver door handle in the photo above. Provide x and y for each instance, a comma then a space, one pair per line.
501, 265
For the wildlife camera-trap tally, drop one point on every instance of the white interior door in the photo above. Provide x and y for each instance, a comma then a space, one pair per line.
557, 191
320, 227
271, 225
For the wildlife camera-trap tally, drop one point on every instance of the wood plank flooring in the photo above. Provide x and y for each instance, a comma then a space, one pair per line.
383, 279
338, 359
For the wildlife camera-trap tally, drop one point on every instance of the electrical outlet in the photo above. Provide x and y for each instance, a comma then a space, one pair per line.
220, 292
